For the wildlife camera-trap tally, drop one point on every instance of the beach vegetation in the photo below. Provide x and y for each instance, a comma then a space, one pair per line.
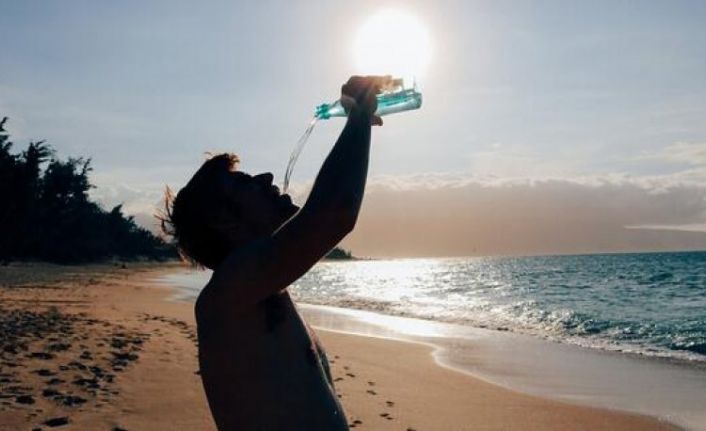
47, 214
339, 253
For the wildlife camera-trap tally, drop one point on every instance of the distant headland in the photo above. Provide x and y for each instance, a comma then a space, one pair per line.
340, 254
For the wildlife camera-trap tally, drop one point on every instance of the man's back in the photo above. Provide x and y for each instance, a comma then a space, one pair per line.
262, 370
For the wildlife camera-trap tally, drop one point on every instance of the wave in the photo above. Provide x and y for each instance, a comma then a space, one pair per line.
565, 326
646, 304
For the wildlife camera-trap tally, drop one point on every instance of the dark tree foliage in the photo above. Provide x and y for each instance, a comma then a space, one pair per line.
46, 213
339, 254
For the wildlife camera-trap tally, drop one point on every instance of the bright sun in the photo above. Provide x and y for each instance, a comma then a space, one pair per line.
392, 42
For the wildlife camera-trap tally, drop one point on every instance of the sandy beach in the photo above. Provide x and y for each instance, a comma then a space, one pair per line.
103, 348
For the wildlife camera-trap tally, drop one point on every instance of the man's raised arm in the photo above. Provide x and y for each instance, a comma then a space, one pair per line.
266, 266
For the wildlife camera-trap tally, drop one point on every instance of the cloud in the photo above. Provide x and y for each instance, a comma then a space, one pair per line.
511, 160
683, 152
450, 214
685, 160
693, 227
141, 203
442, 214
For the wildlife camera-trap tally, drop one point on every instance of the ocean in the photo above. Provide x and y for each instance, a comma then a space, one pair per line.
651, 304
619, 331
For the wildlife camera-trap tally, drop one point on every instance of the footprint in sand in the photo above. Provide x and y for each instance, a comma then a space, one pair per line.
49, 392
57, 422
24, 399
355, 423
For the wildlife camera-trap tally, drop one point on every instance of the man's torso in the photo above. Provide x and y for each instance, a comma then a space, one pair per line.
264, 370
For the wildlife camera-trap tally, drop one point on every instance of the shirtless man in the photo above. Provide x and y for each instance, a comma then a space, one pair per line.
262, 367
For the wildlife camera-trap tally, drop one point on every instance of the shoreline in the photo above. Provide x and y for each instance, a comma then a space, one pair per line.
395, 384
448, 398
528, 314
698, 363
543, 368
618, 381
435, 353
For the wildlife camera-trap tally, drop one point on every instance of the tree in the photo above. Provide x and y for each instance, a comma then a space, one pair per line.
47, 213
339, 254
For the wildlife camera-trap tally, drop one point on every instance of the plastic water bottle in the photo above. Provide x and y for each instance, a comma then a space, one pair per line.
393, 99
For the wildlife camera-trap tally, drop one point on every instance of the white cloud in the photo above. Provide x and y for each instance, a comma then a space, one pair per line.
141, 203
688, 158
683, 152
460, 214
504, 161
693, 227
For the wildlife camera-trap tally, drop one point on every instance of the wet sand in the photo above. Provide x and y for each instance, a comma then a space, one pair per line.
102, 348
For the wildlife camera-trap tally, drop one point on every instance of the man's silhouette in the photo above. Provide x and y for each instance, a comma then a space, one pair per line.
262, 367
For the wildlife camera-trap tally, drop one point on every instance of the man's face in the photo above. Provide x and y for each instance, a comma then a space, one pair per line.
262, 208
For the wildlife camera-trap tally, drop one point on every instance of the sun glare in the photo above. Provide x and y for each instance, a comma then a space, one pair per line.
392, 42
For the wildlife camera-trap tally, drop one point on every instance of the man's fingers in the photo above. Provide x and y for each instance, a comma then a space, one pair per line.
358, 84
364, 90
347, 102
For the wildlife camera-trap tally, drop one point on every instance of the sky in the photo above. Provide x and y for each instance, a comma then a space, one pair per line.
547, 126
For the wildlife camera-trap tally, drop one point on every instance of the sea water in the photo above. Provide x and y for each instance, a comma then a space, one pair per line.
623, 331
653, 304
648, 303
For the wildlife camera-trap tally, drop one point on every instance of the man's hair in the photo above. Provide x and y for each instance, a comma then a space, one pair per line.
200, 213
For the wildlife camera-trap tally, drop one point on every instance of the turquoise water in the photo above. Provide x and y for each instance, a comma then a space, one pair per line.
648, 303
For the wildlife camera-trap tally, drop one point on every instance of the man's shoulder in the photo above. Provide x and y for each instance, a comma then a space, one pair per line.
247, 276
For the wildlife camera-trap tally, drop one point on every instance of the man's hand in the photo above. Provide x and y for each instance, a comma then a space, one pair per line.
360, 93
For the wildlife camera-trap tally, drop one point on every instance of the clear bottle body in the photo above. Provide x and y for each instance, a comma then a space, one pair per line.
389, 102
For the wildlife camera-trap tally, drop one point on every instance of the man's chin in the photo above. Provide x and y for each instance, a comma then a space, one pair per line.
288, 207
291, 210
